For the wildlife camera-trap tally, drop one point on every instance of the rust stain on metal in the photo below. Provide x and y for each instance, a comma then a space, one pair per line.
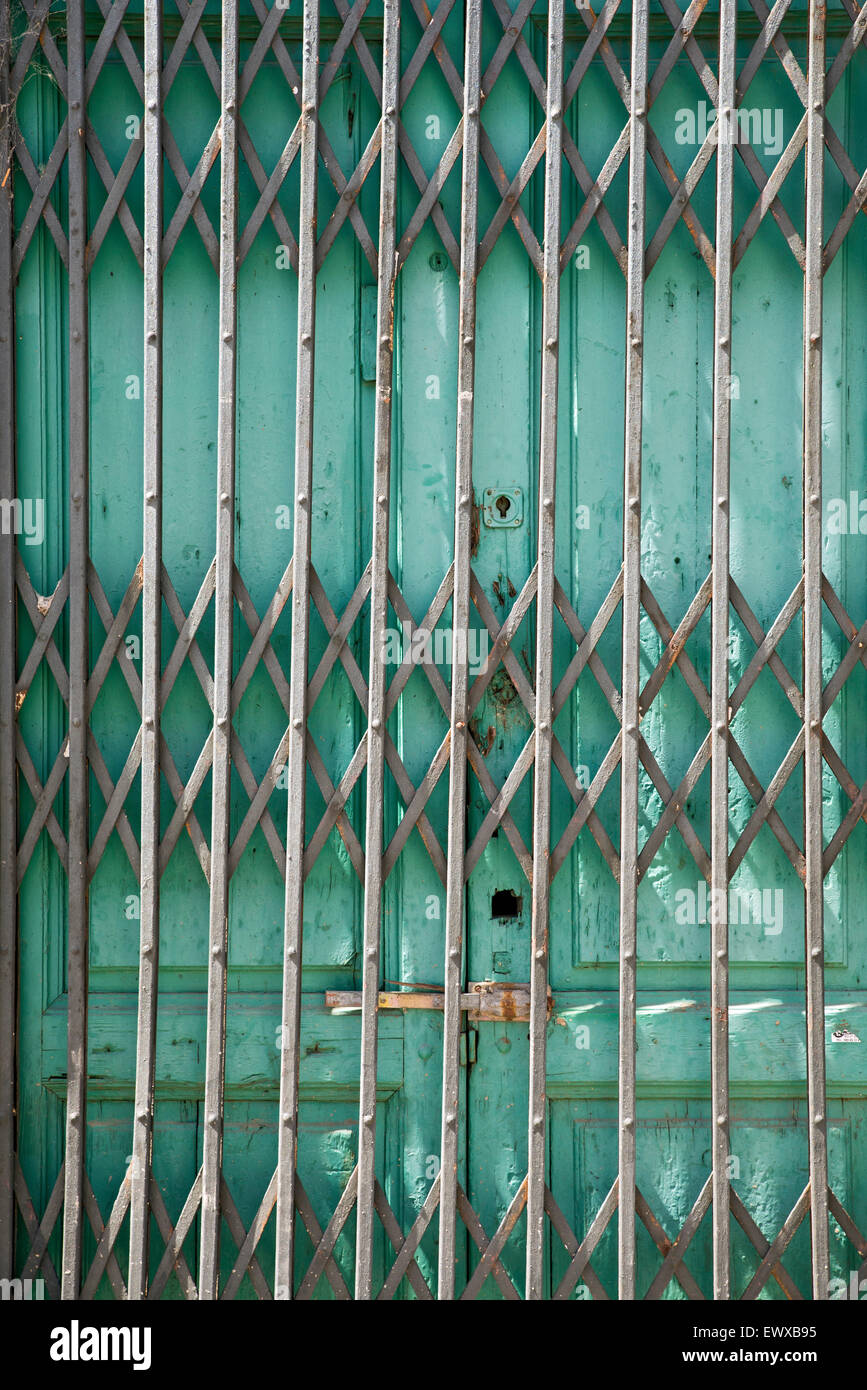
475, 528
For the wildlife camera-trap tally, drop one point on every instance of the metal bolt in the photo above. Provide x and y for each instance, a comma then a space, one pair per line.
376, 723
815, 498
76, 336
460, 724
215, 951
465, 499
151, 496
468, 340
538, 1123
308, 108
816, 953
225, 499
540, 954
382, 499
473, 111
152, 337
213, 1120
371, 953
817, 105
76, 723
385, 341
292, 953
814, 338
368, 1119
543, 725
630, 728
633, 504
552, 343
720, 955
627, 1122
286, 1117
302, 499
222, 721
720, 501
556, 113
152, 106
298, 723
307, 339
720, 728
451, 1118
76, 498
815, 723
454, 955
720, 1119
149, 722
640, 111
724, 342
819, 1119
389, 111
636, 342
548, 503
227, 337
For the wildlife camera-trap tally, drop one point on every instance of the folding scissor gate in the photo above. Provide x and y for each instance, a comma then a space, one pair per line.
432, 674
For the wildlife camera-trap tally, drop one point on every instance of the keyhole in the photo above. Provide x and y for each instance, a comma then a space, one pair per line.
502, 505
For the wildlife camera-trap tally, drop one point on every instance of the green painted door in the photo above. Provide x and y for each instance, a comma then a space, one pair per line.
674, 1118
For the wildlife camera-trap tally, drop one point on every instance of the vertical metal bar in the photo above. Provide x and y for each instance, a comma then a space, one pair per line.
218, 936
455, 897
8, 780
719, 814
813, 651
77, 970
378, 623
544, 642
630, 661
293, 924
142, 1148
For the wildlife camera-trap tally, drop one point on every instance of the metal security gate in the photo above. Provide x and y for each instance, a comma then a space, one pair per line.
434, 867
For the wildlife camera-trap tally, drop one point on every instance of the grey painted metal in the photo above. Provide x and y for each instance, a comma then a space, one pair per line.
77, 968
541, 884
815, 944
152, 382
8, 799
376, 711
293, 927
456, 866
719, 713
631, 676
218, 933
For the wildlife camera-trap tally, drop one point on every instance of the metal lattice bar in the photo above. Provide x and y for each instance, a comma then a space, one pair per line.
636, 100
152, 385
218, 930
76, 1100
297, 750
8, 647
376, 711
815, 963
719, 712
459, 713
539, 943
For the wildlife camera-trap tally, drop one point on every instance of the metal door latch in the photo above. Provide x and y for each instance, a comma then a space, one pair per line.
486, 1001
